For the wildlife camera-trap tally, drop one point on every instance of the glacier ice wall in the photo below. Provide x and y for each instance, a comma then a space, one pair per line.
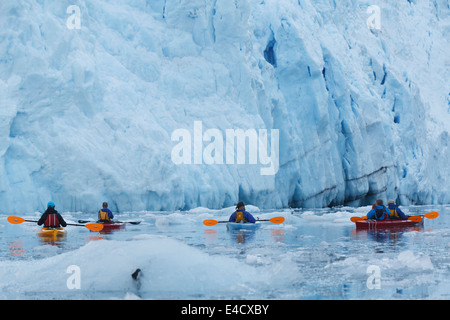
87, 114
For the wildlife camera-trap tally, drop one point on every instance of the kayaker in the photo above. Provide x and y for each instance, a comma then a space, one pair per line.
380, 212
104, 214
241, 215
51, 218
395, 212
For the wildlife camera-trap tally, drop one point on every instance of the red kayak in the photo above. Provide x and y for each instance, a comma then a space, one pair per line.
110, 226
387, 224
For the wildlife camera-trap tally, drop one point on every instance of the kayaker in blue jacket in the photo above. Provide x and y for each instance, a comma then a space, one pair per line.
380, 212
240, 215
104, 214
395, 212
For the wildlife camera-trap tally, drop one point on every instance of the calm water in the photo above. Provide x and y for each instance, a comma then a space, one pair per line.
314, 254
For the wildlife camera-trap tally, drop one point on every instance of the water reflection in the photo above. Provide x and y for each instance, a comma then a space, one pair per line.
242, 236
386, 239
94, 238
52, 239
210, 236
278, 235
16, 248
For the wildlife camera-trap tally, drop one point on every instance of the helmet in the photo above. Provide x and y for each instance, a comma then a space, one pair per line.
51, 204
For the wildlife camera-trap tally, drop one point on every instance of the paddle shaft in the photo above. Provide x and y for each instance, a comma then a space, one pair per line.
90, 226
69, 224
130, 222
415, 217
210, 222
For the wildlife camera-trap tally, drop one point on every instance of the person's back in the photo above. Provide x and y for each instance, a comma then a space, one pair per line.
379, 212
395, 211
51, 218
241, 215
104, 214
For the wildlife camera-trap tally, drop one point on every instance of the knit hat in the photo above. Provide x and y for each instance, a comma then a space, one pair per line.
240, 204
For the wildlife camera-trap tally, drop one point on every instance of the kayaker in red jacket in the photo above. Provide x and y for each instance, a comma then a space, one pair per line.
51, 218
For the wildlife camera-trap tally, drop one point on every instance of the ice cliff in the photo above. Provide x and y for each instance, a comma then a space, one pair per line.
91, 93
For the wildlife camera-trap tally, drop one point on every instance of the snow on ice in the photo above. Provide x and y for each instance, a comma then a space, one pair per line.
170, 269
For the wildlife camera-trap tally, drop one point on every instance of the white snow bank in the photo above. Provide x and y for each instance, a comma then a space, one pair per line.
170, 270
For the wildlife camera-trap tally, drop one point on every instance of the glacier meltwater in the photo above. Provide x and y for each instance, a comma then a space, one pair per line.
313, 254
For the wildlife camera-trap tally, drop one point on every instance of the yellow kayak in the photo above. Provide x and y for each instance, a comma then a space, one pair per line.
53, 233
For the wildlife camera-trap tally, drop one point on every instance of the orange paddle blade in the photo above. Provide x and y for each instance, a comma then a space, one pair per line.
431, 215
415, 218
15, 220
277, 219
210, 223
94, 226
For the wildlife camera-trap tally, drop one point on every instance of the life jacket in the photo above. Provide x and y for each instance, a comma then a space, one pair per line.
103, 216
52, 220
240, 216
394, 213
380, 213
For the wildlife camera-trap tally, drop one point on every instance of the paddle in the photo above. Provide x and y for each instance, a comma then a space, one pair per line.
429, 215
211, 222
130, 222
354, 219
416, 218
90, 226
